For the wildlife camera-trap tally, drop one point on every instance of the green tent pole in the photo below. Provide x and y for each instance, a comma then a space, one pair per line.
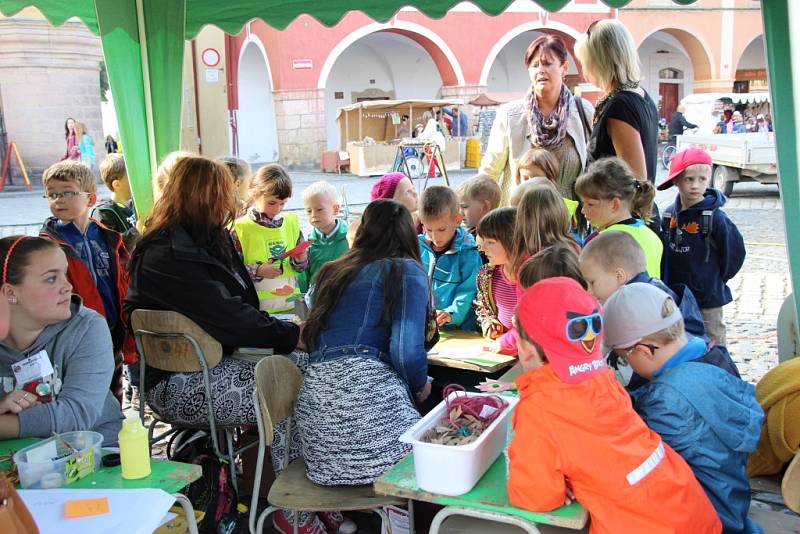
143, 44
782, 31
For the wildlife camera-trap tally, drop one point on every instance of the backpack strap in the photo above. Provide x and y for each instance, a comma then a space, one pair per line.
706, 226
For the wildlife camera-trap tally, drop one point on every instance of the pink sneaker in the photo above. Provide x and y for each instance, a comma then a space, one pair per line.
283, 524
336, 523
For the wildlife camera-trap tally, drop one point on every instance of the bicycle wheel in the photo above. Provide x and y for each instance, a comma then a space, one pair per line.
666, 156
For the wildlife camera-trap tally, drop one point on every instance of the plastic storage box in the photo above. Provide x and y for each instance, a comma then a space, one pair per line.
454, 470
50, 464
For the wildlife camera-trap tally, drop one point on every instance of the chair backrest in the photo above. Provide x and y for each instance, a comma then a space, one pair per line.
164, 339
278, 382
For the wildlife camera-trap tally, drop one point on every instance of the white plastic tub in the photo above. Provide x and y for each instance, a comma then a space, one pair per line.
454, 470
49, 464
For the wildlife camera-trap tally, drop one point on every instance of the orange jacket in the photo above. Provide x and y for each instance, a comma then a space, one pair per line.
589, 435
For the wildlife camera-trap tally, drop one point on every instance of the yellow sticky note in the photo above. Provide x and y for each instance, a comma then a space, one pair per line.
85, 507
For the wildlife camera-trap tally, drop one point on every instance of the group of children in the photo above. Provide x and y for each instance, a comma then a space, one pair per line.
531, 278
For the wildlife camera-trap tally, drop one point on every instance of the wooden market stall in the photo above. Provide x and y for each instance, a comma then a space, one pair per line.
379, 120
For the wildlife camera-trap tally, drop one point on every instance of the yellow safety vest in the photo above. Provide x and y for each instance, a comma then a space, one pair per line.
261, 244
650, 242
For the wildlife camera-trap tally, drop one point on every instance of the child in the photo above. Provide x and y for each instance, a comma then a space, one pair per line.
541, 222
398, 187
96, 256
541, 163
708, 415
614, 258
242, 174
538, 162
516, 193
329, 234
451, 258
613, 199
557, 260
263, 236
165, 169
117, 213
705, 249
477, 196
497, 295
575, 432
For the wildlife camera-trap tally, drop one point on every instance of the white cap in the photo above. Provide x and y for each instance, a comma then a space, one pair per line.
633, 312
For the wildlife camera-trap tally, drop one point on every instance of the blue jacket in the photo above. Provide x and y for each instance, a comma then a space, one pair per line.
712, 419
356, 326
453, 277
460, 126
690, 262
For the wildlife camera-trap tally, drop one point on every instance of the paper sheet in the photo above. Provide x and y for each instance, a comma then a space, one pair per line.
133, 511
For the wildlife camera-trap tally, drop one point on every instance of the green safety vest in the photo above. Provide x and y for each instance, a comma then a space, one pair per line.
650, 242
261, 244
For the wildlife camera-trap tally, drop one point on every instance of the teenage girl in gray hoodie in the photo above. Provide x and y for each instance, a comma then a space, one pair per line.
55, 364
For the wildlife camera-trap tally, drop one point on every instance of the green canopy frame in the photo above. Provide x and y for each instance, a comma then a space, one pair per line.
143, 44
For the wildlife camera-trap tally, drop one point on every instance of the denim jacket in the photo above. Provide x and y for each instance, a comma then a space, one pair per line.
355, 327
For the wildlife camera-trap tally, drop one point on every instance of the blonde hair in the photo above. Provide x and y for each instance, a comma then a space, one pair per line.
610, 178
81, 129
167, 164
71, 171
112, 169
516, 193
542, 221
614, 249
608, 52
542, 158
674, 331
481, 188
320, 189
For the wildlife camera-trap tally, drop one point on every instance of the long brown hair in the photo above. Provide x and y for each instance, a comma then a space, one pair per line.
542, 221
386, 232
610, 178
200, 197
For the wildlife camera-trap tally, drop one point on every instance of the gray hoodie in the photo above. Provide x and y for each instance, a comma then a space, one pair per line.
81, 352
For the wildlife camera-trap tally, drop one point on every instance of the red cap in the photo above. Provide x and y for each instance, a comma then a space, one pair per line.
565, 320
681, 160
385, 186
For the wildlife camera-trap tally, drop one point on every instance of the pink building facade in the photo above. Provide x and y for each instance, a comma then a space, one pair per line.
284, 86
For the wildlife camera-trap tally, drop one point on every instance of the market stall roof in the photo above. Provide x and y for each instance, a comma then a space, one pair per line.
380, 105
736, 98
484, 100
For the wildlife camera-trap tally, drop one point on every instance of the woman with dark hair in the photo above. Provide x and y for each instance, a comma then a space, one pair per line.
548, 117
64, 349
368, 363
73, 140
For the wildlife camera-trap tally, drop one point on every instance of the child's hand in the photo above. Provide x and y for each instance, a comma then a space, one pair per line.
16, 401
268, 270
496, 329
301, 258
442, 317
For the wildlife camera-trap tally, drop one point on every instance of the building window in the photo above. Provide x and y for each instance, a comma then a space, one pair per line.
670, 74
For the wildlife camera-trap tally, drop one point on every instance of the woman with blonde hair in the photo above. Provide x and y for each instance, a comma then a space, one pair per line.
626, 119
548, 117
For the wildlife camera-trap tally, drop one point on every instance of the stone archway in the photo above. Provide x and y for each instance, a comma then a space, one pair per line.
256, 122
751, 68
400, 62
684, 42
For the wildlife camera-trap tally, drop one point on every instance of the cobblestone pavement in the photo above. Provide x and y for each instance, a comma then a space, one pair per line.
759, 289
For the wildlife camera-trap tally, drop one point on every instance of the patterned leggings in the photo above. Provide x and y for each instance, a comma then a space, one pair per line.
181, 399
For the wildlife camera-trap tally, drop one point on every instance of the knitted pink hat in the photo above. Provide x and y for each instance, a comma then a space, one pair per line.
386, 185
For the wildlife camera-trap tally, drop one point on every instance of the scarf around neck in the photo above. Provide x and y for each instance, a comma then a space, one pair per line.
548, 131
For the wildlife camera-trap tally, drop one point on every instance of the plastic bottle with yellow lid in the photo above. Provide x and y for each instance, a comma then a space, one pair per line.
134, 449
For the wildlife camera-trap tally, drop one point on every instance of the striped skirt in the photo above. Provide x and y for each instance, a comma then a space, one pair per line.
349, 414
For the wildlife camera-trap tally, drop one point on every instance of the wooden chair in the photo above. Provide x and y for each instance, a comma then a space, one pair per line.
170, 341
278, 382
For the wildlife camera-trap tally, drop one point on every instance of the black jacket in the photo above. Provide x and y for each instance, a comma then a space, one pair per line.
170, 272
679, 123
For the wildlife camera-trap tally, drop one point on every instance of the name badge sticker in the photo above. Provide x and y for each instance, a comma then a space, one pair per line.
33, 368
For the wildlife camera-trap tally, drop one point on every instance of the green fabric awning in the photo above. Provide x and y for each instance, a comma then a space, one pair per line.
143, 47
